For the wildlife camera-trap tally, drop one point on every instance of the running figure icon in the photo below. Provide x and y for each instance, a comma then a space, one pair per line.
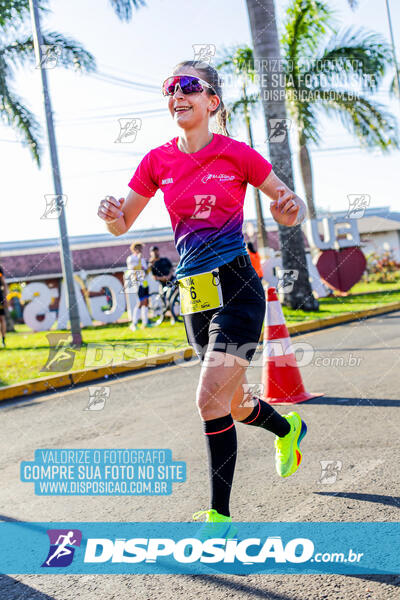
62, 542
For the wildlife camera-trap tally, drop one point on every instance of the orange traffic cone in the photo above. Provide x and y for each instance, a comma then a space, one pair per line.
281, 375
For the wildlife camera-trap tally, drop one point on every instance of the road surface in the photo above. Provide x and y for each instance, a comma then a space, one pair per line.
356, 423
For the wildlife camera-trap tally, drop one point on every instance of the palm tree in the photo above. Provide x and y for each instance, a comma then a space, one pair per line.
17, 49
123, 8
395, 85
314, 67
239, 61
267, 56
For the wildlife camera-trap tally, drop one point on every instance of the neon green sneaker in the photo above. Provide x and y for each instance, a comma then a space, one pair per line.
288, 456
215, 526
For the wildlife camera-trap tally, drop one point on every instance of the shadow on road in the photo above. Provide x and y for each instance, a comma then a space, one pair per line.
15, 590
269, 595
378, 498
333, 400
21, 404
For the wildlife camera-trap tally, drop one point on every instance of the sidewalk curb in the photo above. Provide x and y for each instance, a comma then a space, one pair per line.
326, 322
54, 382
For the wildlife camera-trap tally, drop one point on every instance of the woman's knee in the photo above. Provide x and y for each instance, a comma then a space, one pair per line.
217, 385
211, 400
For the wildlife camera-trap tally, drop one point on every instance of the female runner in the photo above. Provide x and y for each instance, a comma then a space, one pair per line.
204, 177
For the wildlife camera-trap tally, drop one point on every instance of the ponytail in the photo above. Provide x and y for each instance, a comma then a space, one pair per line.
221, 119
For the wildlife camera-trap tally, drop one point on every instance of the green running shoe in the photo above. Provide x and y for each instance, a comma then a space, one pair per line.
215, 526
288, 456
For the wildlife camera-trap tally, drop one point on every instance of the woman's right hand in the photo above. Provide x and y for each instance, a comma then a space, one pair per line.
110, 209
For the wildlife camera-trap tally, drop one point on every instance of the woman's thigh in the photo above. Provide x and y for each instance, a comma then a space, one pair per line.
219, 378
196, 326
234, 328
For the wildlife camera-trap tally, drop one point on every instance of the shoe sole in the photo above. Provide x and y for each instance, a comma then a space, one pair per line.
298, 454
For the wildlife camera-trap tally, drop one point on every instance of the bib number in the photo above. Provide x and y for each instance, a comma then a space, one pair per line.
200, 292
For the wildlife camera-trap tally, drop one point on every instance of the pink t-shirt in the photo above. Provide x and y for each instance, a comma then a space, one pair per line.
204, 193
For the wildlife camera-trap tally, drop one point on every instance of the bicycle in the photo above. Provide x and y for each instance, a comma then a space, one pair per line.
167, 299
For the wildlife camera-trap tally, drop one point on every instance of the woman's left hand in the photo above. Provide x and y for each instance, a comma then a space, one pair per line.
285, 209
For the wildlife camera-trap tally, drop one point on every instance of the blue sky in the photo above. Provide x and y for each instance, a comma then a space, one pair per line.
87, 110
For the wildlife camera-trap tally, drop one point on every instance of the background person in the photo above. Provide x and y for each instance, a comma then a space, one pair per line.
136, 263
161, 267
163, 271
3, 304
255, 259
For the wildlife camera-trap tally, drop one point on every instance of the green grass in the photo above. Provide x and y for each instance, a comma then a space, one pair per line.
27, 353
375, 287
337, 305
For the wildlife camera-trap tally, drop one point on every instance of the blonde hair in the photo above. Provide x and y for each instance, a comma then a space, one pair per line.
135, 245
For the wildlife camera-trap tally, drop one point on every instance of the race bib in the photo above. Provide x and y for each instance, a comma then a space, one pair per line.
200, 292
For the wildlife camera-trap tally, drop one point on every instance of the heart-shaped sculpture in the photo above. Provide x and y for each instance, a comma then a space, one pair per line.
341, 269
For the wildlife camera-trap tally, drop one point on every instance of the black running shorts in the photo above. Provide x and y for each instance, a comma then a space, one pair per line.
143, 292
235, 328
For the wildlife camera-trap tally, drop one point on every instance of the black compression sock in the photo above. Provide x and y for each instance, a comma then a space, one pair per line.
263, 415
222, 449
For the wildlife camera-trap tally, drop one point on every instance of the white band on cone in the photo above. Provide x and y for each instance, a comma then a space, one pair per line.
274, 314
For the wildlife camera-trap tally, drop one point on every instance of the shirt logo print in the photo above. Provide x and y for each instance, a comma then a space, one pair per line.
221, 177
204, 204
168, 180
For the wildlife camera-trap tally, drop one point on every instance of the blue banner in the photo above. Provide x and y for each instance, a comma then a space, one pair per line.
193, 548
103, 472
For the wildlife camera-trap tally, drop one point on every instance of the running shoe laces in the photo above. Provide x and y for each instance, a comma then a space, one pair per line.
213, 516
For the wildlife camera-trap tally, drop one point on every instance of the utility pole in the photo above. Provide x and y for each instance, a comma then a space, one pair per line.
397, 76
262, 238
65, 253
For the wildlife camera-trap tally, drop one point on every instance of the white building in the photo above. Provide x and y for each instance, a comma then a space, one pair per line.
380, 234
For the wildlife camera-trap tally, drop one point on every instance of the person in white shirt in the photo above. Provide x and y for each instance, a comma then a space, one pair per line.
136, 263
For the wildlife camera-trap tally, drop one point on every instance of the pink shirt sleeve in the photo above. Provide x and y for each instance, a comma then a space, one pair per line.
256, 167
144, 181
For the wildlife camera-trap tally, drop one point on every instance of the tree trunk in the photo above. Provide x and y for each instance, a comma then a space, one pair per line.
262, 237
267, 56
307, 176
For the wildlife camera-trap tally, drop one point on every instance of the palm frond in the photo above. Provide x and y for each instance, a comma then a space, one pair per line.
124, 8
367, 120
224, 58
71, 53
238, 107
306, 23
237, 60
16, 12
304, 113
16, 115
355, 52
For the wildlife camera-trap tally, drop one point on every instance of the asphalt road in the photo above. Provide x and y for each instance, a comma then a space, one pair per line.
356, 422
